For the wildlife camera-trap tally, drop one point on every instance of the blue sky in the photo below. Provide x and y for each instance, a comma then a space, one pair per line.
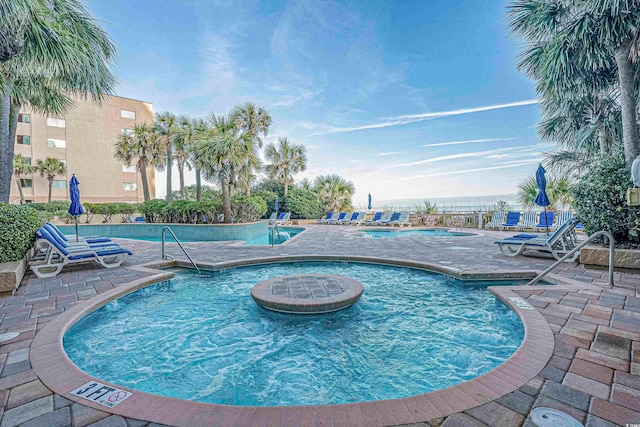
407, 99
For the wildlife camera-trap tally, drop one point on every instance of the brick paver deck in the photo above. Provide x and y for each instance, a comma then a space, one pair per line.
593, 374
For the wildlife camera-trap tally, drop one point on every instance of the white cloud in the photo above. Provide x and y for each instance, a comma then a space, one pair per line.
488, 168
390, 153
412, 118
468, 141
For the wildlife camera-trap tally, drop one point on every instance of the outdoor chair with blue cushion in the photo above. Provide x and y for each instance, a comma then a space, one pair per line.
394, 217
496, 221
558, 244
326, 218
284, 218
279, 218
336, 219
348, 218
376, 217
51, 256
359, 219
272, 217
71, 239
528, 220
543, 224
402, 220
140, 219
386, 217
513, 218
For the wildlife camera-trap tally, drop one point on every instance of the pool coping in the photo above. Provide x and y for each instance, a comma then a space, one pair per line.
57, 372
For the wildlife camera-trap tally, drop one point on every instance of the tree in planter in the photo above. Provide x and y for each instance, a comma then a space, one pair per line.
145, 147
286, 160
50, 168
20, 167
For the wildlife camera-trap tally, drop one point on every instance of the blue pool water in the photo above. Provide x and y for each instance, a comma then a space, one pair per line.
206, 340
186, 233
377, 234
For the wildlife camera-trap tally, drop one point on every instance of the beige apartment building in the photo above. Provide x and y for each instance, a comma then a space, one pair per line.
84, 138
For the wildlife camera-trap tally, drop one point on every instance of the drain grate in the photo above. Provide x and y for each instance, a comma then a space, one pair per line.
549, 417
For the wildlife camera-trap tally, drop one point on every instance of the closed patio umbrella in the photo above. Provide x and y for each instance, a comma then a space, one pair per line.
542, 199
75, 209
275, 205
369, 198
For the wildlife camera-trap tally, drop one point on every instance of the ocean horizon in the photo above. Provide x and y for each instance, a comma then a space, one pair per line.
448, 204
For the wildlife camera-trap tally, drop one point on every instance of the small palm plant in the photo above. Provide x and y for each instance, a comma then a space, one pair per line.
51, 168
20, 167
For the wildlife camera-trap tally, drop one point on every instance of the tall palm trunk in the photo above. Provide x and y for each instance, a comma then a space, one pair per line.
226, 200
628, 103
6, 148
142, 165
20, 189
602, 141
169, 197
286, 182
50, 179
183, 194
198, 185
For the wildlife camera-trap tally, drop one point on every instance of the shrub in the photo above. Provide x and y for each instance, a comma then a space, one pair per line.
304, 204
18, 225
269, 198
52, 207
126, 211
599, 197
107, 210
154, 210
247, 208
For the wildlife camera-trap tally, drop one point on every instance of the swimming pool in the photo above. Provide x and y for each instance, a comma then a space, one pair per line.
377, 234
252, 234
411, 332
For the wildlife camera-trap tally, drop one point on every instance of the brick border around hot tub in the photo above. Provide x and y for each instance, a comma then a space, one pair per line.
56, 371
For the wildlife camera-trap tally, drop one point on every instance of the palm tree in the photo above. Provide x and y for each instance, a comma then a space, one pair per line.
334, 192
575, 46
557, 190
50, 168
252, 121
20, 167
143, 146
166, 127
222, 150
49, 51
286, 160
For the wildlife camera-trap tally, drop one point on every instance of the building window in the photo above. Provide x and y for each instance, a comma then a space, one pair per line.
24, 118
59, 184
27, 160
129, 186
24, 139
126, 114
131, 168
127, 131
26, 183
56, 123
56, 143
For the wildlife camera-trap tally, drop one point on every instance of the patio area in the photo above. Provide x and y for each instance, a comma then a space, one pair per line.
593, 373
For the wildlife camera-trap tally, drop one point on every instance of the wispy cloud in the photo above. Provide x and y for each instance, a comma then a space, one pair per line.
474, 154
488, 168
468, 141
412, 118
390, 153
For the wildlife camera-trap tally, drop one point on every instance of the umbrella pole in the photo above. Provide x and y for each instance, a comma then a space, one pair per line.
76, 217
546, 220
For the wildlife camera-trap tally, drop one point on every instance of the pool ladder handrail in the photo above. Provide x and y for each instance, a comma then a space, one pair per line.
165, 256
591, 238
275, 225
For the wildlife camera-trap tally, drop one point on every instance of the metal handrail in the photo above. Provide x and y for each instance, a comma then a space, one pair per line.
612, 242
165, 256
275, 225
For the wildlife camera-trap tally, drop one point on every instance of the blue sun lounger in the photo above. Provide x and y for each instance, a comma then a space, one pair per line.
52, 256
326, 218
542, 225
335, 220
376, 217
558, 244
513, 218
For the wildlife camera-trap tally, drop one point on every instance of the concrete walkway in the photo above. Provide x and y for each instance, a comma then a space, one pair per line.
594, 374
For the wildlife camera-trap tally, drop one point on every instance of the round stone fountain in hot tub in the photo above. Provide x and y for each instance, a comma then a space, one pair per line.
307, 293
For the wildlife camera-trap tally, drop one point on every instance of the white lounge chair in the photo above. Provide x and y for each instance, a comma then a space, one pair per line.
496, 221
558, 244
359, 219
384, 219
561, 218
326, 218
51, 257
376, 217
402, 220
528, 220
347, 218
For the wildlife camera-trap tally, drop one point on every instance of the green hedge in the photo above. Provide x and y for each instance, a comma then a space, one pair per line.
247, 208
18, 225
600, 197
304, 204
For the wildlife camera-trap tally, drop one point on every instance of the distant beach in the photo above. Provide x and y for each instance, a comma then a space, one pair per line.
448, 204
